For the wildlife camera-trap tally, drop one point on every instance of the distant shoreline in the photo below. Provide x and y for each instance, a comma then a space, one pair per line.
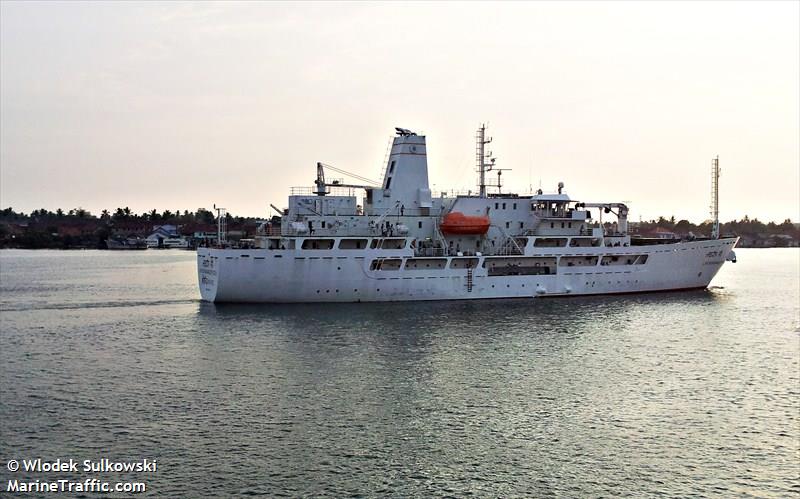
79, 229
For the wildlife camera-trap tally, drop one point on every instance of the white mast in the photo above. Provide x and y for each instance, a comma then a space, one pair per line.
715, 197
481, 157
222, 215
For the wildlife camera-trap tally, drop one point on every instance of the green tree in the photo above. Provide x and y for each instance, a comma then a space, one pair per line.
684, 227
204, 216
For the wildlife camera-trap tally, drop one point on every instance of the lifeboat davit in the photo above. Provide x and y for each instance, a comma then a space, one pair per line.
458, 223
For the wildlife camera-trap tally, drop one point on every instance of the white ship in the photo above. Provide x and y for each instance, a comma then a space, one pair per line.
407, 243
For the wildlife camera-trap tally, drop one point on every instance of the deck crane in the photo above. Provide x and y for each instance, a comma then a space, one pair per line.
322, 185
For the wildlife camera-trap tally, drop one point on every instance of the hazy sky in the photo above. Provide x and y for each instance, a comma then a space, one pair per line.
181, 105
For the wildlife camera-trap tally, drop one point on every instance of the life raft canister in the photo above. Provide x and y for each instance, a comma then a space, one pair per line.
458, 223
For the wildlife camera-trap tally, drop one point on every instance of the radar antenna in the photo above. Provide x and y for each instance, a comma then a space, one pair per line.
403, 132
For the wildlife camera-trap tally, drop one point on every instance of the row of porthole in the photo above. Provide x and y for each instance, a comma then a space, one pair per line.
618, 282
507, 285
597, 273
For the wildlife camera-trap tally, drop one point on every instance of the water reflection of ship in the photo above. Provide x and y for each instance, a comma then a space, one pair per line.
461, 312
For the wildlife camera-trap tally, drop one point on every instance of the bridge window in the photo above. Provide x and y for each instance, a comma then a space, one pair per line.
550, 242
578, 261
317, 244
584, 242
520, 266
396, 243
393, 244
386, 264
624, 260
350, 244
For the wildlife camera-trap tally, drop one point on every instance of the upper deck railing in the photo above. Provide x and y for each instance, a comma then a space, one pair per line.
331, 190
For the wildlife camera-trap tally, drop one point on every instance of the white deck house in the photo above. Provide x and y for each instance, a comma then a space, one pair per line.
166, 236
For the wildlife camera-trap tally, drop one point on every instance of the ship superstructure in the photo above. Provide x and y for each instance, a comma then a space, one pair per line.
407, 243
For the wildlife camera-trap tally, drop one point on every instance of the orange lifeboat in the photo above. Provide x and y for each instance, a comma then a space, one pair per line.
458, 223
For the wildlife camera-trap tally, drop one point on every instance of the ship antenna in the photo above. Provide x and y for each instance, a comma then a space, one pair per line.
715, 197
480, 158
499, 173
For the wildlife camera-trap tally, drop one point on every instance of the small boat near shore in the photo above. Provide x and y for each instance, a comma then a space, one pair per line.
130, 243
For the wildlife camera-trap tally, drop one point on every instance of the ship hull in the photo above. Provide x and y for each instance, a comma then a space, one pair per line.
297, 276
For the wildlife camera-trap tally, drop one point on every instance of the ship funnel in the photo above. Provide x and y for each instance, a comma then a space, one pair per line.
405, 182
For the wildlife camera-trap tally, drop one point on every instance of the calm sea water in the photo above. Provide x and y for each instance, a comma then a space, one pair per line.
111, 354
